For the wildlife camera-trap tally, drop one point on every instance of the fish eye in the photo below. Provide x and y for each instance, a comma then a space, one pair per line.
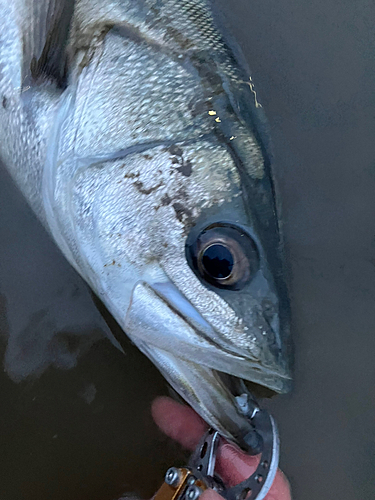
224, 256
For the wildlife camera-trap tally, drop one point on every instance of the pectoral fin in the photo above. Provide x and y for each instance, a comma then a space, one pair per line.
45, 31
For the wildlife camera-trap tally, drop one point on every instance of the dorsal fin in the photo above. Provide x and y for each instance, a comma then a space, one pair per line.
45, 36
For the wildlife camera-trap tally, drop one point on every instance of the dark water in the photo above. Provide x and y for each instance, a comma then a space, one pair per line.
86, 432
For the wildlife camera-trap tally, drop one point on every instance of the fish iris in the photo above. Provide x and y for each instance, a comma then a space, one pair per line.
218, 261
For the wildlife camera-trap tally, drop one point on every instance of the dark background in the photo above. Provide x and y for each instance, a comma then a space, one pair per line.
86, 432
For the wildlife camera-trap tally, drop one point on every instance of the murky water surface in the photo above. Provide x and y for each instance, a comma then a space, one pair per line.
75, 420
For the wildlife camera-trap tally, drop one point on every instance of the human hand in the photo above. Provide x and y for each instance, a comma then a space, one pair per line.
182, 424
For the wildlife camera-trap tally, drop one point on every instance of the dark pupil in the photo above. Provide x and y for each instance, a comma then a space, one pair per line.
218, 262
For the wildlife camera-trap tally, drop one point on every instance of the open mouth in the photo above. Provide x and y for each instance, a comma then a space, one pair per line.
216, 396
166, 327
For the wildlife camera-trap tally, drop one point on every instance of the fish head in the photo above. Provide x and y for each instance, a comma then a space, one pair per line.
194, 226
158, 189
186, 262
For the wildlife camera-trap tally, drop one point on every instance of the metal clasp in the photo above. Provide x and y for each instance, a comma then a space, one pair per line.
188, 483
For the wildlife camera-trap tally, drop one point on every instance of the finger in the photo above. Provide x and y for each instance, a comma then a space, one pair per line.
210, 495
274, 494
234, 466
179, 422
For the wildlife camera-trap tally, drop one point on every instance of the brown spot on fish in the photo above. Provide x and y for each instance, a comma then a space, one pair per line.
4, 102
147, 157
130, 175
183, 214
186, 168
182, 193
139, 186
110, 264
175, 150
166, 200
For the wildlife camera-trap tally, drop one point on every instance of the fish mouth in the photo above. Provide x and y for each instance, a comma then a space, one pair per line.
171, 332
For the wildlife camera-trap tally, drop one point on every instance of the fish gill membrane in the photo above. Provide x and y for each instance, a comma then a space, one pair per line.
137, 137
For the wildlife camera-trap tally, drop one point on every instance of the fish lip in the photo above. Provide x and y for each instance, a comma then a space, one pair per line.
156, 321
209, 396
255, 368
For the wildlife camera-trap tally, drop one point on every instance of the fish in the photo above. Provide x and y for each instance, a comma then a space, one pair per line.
134, 131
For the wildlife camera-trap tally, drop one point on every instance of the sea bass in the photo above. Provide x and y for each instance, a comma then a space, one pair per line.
133, 129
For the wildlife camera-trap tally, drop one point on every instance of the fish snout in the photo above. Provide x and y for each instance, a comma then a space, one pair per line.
166, 327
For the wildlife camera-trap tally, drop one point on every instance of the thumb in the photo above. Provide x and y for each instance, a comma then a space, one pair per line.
210, 495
